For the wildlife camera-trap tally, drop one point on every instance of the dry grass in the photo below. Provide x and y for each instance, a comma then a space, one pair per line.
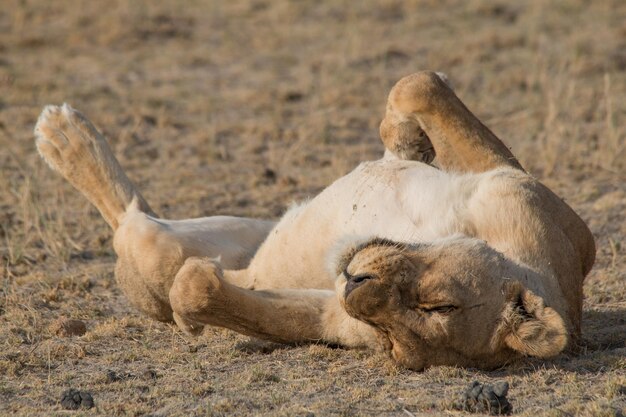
200, 101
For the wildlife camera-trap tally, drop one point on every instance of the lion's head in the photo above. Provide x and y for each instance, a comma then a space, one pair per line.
452, 303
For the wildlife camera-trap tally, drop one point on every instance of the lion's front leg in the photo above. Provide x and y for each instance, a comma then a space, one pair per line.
201, 295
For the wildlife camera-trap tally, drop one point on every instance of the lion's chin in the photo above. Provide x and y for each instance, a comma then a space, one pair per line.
408, 361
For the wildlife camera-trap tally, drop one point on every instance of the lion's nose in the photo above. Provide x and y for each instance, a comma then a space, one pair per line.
354, 281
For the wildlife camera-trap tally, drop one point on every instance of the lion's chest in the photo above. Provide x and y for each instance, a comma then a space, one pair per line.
398, 200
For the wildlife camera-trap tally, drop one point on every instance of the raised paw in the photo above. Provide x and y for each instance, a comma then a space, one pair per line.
196, 291
400, 132
66, 140
406, 140
72, 146
50, 139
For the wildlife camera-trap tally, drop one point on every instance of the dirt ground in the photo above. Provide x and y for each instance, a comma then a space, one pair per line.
243, 107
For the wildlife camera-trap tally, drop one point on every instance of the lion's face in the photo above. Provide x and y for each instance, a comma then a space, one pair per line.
450, 304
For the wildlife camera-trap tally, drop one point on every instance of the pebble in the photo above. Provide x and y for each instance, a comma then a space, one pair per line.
150, 374
485, 398
73, 399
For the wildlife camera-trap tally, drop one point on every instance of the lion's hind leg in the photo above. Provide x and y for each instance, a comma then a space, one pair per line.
150, 250
424, 103
72, 146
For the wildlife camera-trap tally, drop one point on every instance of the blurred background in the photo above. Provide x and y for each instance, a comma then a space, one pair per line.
299, 87
241, 107
245, 106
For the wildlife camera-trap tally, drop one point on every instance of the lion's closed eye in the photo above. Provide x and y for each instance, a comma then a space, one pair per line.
439, 308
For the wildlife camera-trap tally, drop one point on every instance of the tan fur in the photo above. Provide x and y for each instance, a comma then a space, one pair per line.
64, 139
150, 251
479, 265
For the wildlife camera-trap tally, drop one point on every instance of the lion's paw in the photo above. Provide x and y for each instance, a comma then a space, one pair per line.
67, 141
196, 289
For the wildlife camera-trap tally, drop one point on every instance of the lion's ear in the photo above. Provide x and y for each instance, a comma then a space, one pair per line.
528, 326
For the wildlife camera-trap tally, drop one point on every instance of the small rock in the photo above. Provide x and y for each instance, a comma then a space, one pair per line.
501, 388
293, 96
269, 176
150, 374
73, 399
68, 327
479, 398
487, 392
474, 390
112, 376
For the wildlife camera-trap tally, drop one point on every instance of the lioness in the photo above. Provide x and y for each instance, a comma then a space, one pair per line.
473, 263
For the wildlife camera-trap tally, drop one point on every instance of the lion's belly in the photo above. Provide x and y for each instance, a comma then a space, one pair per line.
398, 200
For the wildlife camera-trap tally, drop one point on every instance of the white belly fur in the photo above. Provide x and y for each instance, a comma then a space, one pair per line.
404, 201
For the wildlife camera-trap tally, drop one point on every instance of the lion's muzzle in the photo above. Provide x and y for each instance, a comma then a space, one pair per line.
354, 281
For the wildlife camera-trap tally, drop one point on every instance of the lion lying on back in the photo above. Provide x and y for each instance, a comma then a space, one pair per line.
473, 263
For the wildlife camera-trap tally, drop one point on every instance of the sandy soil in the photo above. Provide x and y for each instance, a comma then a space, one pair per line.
243, 107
